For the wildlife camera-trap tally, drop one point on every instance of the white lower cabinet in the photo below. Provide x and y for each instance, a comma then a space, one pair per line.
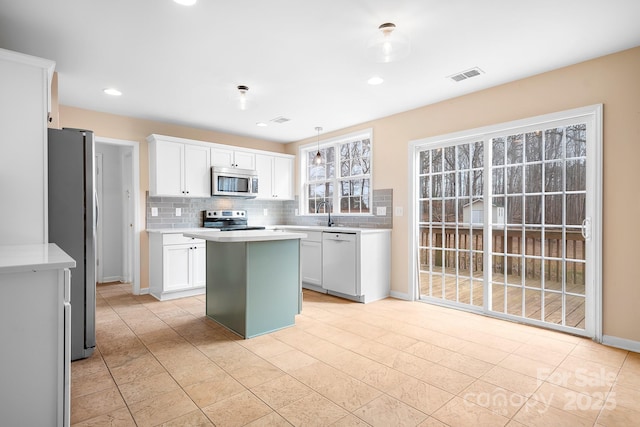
177, 266
347, 262
35, 326
311, 258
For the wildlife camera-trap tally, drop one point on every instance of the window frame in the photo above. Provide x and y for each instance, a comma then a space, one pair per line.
590, 114
335, 142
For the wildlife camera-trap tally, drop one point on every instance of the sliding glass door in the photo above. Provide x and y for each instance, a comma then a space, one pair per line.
504, 222
451, 226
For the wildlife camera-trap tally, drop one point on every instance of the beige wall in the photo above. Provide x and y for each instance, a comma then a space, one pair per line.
120, 127
611, 80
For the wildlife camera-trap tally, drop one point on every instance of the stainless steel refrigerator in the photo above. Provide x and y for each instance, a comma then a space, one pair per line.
72, 226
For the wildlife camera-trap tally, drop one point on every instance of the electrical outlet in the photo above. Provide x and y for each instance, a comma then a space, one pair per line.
154, 211
399, 211
381, 210
296, 212
178, 211
265, 212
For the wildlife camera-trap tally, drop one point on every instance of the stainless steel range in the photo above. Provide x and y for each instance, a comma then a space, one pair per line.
228, 220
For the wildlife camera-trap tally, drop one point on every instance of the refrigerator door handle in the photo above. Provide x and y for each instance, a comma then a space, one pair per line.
95, 193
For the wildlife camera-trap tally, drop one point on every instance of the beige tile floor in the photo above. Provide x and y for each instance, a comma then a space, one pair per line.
387, 363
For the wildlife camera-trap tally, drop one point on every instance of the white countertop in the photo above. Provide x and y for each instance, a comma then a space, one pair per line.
245, 235
36, 257
335, 229
177, 230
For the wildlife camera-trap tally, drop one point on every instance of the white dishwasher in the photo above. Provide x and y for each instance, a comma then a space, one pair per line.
339, 262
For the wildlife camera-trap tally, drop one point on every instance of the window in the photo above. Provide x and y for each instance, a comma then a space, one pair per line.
342, 181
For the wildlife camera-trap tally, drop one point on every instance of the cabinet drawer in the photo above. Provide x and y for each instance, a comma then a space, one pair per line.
313, 236
179, 239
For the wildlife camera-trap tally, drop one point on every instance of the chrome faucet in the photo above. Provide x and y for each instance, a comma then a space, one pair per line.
327, 206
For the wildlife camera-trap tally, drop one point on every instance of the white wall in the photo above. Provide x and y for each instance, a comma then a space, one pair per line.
112, 211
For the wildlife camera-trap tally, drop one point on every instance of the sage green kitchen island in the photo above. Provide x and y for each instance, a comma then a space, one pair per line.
253, 279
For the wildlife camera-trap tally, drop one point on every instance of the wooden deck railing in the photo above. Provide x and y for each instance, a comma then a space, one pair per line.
508, 251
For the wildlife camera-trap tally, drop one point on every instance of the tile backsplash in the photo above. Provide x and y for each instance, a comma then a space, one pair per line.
277, 212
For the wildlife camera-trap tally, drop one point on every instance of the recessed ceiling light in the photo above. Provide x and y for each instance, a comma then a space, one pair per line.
261, 124
375, 80
186, 2
112, 91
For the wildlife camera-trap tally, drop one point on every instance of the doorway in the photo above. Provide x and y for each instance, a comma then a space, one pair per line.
507, 221
118, 233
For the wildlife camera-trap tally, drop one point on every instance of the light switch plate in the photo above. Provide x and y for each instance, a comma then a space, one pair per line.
399, 211
154, 211
178, 211
381, 210
265, 212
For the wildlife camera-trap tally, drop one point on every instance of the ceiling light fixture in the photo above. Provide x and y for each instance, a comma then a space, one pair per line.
318, 159
186, 2
375, 80
112, 91
261, 124
242, 100
389, 44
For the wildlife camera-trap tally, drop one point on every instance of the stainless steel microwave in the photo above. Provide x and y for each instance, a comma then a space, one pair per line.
234, 182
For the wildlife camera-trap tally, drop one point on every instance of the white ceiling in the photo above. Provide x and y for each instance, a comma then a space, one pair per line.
304, 60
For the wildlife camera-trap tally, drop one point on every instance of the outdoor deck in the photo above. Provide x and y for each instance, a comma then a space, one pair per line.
533, 306
516, 255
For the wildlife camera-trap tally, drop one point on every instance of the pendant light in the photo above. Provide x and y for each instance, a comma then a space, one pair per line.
318, 159
389, 44
242, 97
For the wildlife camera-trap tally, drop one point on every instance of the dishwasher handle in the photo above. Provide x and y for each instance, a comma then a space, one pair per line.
339, 237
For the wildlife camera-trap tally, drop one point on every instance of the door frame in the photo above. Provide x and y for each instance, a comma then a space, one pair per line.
593, 113
135, 185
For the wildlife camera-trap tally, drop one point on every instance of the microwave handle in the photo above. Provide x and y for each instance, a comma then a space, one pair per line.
254, 185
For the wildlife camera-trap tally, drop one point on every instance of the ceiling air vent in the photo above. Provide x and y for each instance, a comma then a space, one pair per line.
466, 74
280, 119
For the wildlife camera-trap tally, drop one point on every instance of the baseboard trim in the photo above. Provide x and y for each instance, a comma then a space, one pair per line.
622, 343
113, 279
400, 295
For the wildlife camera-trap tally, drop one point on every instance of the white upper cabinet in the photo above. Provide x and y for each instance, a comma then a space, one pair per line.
264, 167
229, 158
181, 167
275, 176
24, 103
165, 168
197, 171
283, 177
178, 169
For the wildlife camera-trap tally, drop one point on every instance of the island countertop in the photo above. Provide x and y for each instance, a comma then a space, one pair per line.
244, 235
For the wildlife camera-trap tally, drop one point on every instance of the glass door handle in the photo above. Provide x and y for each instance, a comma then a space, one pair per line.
586, 228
